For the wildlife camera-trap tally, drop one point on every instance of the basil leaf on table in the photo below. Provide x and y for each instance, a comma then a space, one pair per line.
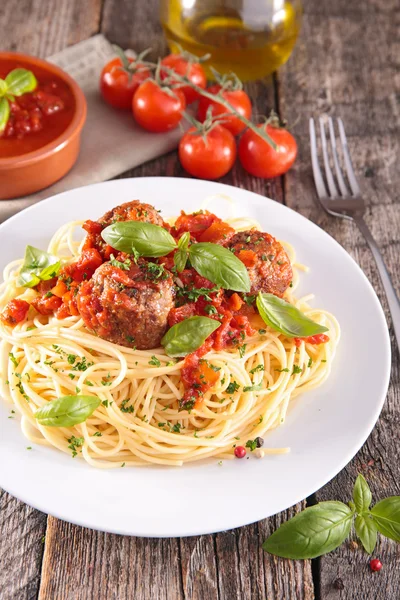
386, 516
362, 495
38, 266
67, 411
20, 81
147, 239
219, 265
367, 532
188, 335
4, 113
181, 256
286, 318
315, 531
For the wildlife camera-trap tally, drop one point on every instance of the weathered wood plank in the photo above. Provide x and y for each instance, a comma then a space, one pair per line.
21, 548
79, 564
40, 28
345, 66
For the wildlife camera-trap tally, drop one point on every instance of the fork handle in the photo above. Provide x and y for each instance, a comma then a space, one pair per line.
393, 301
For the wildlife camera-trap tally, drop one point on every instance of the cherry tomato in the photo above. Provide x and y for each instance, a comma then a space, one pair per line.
208, 159
240, 102
117, 86
260, 159
194, 72
155, 109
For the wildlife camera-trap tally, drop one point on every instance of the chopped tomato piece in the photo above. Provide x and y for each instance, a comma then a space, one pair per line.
46, 305
217, 232
319, 338
176, 315
92, 226
86, 265
197, 376
248, 257
195, 223
235, 302
59, 289
45, 286
15, 312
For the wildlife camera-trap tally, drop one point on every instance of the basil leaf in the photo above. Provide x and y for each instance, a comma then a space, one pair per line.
188, 335
386, 516
181, 256
367, 532
286, 318
219, 265
361, 494
38, 266
20, 81
315, 531
147, 239
67, 411
4, 113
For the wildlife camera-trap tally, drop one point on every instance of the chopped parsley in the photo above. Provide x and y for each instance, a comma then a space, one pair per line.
75, 443
71, 359
125, 266
176, 428
262, 331
156, 271
154, 361
210, 309
126, 409
232, 387
251, 444
242, 350
82, 365
14, 361
310, 361
195, 293
257, 369
283, 370
97, 434
123, 464
253, 388
249, 298
296, 369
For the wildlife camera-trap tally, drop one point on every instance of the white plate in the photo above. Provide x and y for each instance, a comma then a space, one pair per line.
324, 428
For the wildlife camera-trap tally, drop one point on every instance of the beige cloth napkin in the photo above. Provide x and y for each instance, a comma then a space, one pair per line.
111, 141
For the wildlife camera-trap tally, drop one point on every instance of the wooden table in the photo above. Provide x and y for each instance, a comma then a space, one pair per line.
346, 63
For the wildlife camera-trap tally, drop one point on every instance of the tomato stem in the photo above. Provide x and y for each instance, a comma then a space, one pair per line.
258, 131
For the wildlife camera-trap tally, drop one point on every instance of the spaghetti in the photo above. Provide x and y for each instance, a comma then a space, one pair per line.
139, 420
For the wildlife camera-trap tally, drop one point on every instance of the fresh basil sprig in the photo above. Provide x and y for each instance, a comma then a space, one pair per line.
38, 266
324, 527
286, 318
188, 335
66, 411
147, 239
181, 255
17, 82
212, 261
220, 266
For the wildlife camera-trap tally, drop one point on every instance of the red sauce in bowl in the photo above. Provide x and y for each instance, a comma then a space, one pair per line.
39, 117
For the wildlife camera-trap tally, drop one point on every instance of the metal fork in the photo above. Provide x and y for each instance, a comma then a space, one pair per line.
346, 204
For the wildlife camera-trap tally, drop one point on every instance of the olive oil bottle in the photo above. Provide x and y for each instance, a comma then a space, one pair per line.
252, 38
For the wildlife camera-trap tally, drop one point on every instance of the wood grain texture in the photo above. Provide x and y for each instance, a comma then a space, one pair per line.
42, 27
21, 548
338, 70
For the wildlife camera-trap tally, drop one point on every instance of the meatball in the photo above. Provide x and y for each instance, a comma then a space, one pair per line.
266, 261
130, 211
129, 305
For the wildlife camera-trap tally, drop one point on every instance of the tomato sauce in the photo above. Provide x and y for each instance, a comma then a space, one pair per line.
38, 117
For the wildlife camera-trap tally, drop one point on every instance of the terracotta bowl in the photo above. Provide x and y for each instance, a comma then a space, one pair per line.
32, 171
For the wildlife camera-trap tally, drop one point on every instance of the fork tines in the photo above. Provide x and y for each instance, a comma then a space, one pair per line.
336, 188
